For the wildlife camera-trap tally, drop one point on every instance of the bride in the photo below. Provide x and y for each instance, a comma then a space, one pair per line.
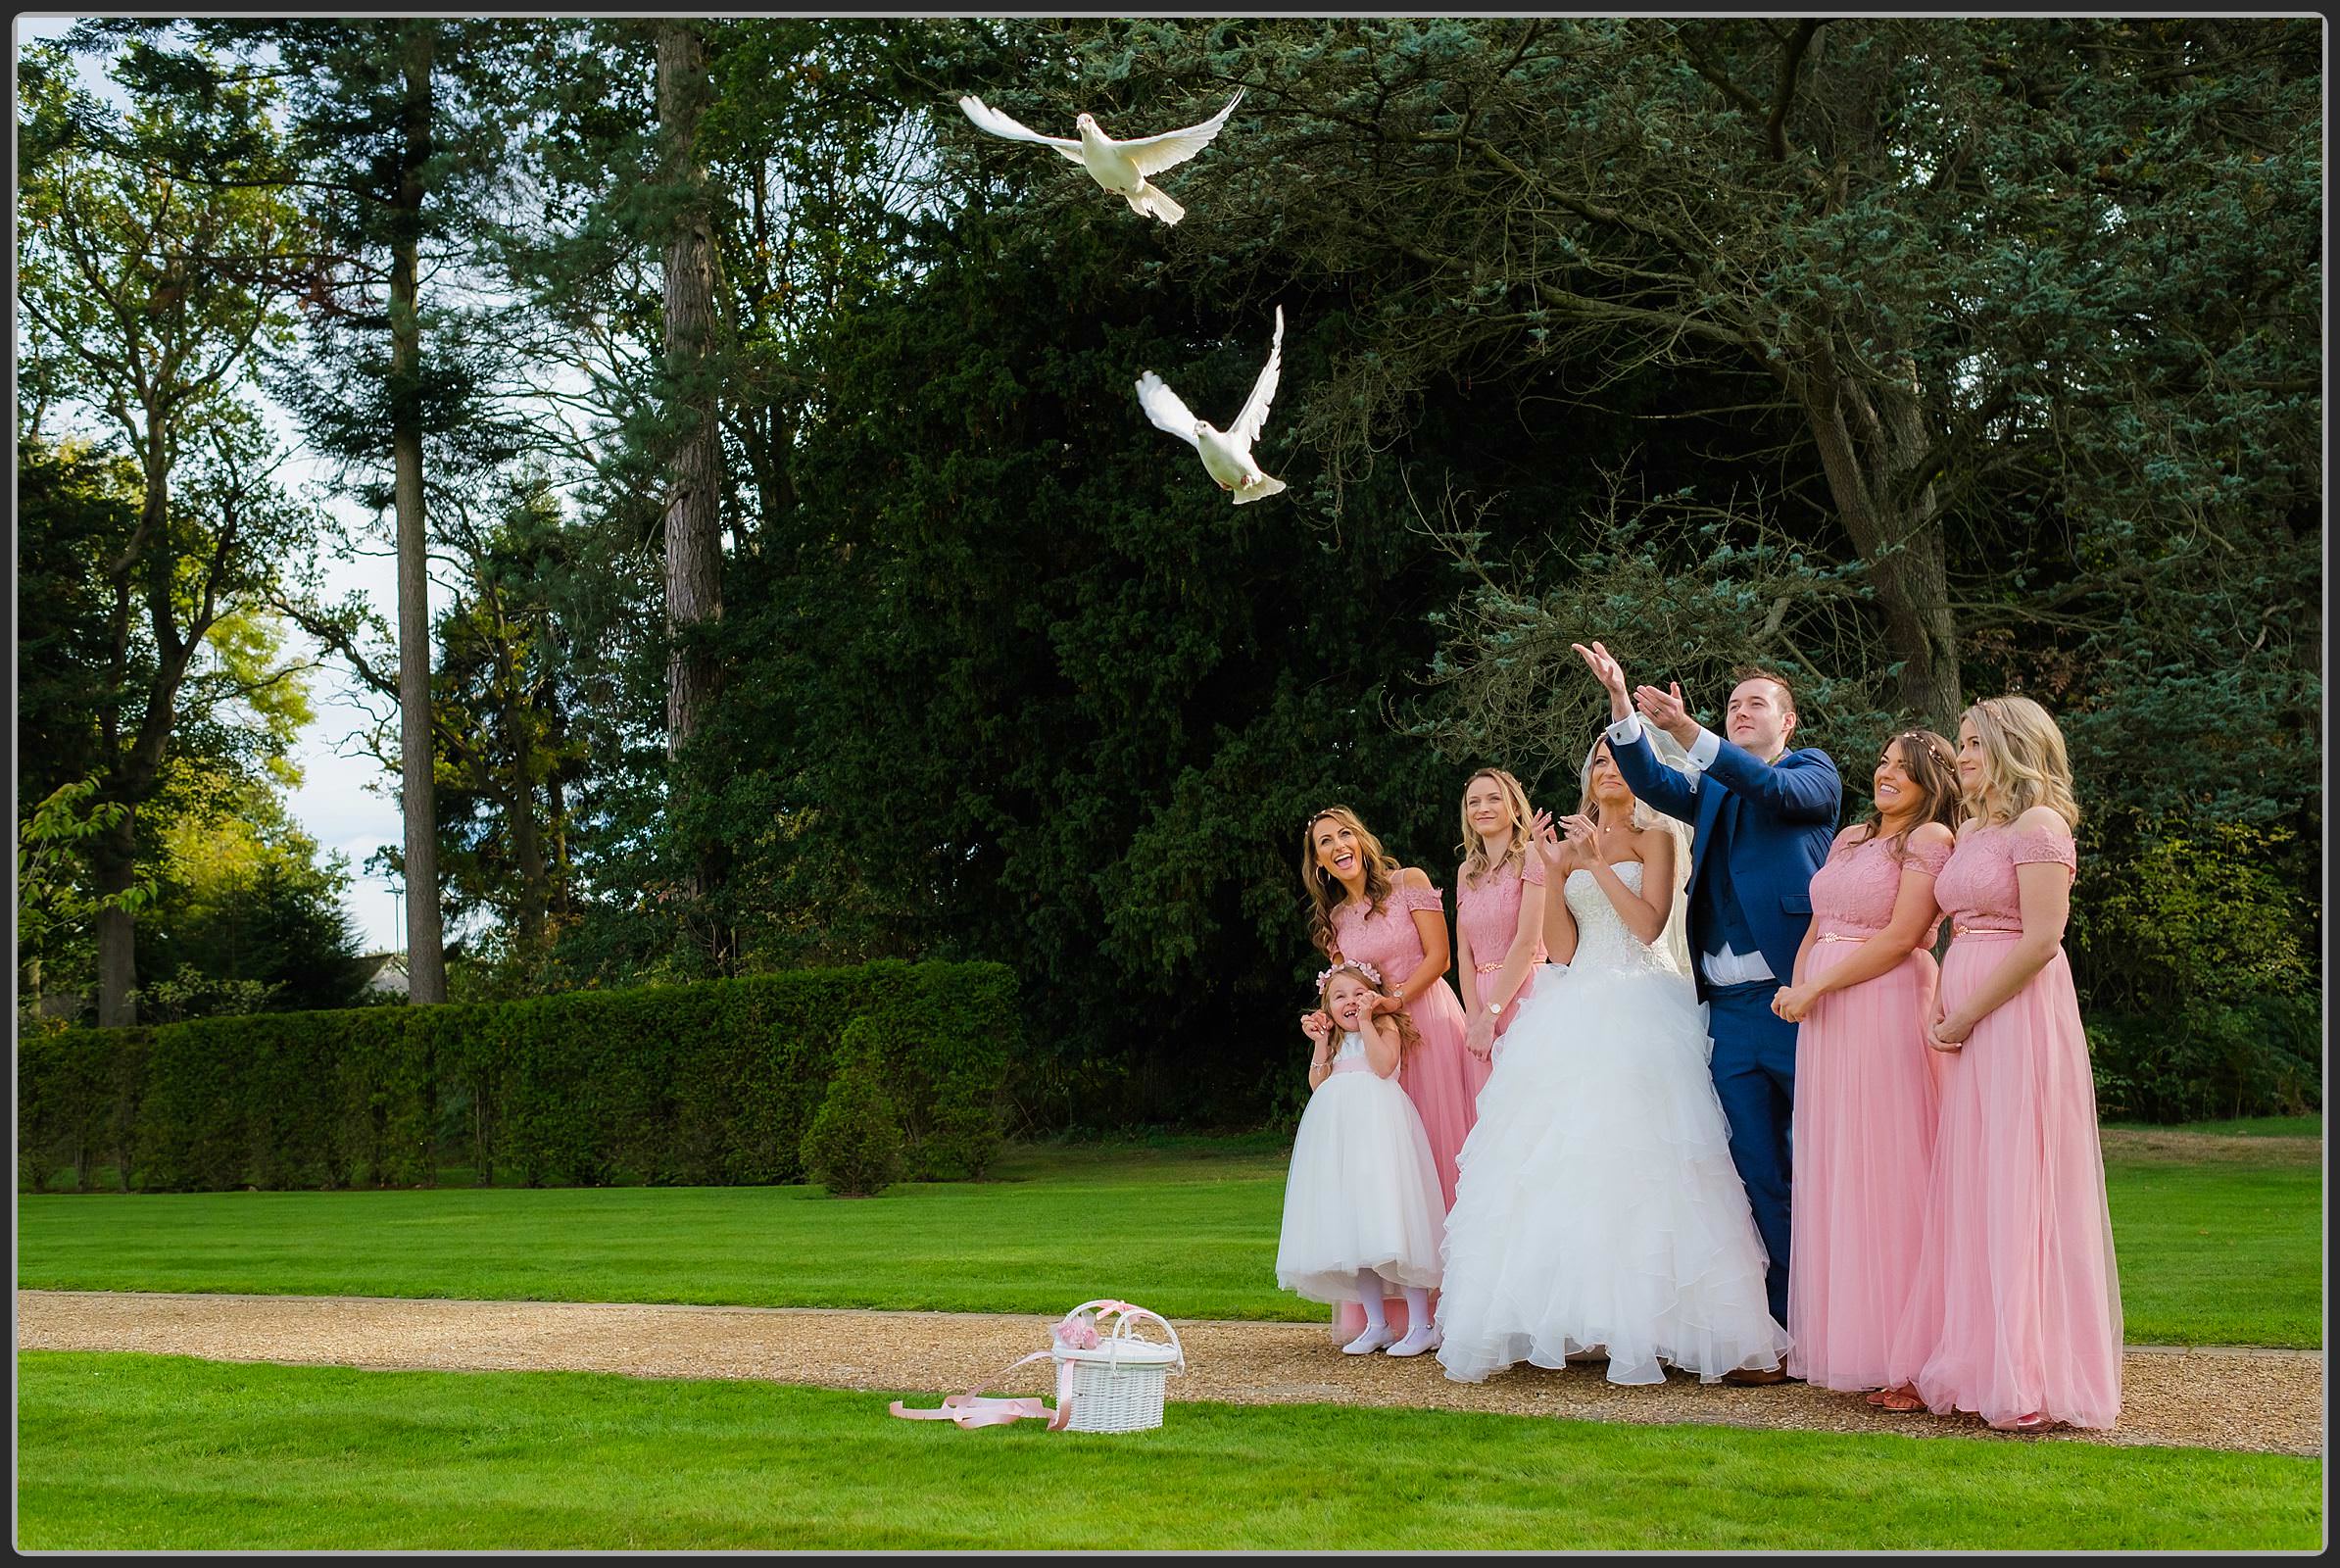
1596, 1206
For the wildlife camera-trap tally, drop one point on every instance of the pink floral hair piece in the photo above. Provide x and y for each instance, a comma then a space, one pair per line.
1359, 964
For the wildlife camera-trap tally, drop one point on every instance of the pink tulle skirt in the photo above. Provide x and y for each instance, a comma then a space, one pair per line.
1443, 1080
2015, 1307
1866, 1103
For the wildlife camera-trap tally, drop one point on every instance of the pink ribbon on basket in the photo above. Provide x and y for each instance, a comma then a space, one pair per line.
1074, 1331
975, 1409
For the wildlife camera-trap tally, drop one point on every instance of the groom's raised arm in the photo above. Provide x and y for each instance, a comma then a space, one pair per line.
1801, 786
1674, 792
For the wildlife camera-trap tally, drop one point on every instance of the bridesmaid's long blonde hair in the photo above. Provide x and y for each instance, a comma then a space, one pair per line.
1325, 892
2024, 762
1474, 848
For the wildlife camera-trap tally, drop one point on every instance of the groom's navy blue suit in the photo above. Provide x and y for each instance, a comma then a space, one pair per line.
1760, 831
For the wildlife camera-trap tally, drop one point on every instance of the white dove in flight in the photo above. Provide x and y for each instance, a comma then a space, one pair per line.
1225, 454
1121, 167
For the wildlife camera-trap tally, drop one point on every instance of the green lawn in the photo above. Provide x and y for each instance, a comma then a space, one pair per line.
2212, 1250
164, 1452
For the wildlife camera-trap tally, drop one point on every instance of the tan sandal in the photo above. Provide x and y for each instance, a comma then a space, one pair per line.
1904, 1401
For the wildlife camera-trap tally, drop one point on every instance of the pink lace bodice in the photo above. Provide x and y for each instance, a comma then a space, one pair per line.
1387, 939
1490, 912
1978, 888
1854, 892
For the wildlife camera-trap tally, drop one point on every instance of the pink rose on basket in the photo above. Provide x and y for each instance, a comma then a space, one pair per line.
1076, 1333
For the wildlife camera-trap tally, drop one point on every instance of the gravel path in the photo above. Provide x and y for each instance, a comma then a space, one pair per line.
2268, 1401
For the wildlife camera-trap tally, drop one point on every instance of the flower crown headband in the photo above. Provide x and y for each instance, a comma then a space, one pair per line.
1359, 964
1933, 748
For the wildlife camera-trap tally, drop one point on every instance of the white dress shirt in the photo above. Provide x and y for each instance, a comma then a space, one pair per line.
1723, 966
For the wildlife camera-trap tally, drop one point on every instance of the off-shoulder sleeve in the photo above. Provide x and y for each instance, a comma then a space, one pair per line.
1533, 875
1417, 898
2026, 846
1929, 858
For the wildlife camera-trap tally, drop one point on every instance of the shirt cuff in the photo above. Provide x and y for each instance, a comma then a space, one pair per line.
1705, 747
1625, 730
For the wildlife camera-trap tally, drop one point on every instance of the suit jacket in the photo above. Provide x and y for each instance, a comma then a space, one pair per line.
1779, 835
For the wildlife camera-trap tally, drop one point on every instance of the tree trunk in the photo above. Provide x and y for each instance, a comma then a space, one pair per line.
694, 518
113, 865
426, 959
1869, 456
519, 799
694, 495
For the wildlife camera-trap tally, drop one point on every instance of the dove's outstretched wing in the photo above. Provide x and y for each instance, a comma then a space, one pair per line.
1248, 423
1166, 409
998, 124
1151, 155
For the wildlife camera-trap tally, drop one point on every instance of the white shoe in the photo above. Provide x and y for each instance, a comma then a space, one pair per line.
1416, 1341
1373, 1338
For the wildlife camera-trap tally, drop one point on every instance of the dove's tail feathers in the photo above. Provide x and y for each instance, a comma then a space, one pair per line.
1259, 488
1149, 200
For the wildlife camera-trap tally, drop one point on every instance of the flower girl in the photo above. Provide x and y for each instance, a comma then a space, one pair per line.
1362, 1198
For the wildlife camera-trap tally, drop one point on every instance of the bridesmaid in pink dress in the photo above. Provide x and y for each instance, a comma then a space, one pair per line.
1498, 930
1866, 1099
2014, 1310
1365, 906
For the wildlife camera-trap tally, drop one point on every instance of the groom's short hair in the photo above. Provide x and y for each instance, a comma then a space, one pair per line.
1748, 672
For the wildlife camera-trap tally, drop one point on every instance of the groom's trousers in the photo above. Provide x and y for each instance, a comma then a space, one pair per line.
1754, 1072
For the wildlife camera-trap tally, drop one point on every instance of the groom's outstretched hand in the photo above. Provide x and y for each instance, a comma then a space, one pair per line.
1666, 710
1610, 674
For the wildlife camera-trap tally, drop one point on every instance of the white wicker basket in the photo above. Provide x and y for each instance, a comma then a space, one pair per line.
1120, 1385
1106, 1382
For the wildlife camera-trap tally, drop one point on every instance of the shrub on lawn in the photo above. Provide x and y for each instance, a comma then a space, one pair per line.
712, 1083
2205, 1061
854, 1146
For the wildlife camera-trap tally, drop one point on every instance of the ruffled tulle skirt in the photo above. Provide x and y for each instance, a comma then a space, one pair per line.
1597, 1207
1443, 1080
1361, 1193
1866, 1104
2015, 1301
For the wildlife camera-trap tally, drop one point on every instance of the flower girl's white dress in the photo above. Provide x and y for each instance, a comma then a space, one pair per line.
1596, 1204
1362, 1192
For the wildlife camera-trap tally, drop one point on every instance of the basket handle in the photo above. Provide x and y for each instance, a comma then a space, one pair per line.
1125, 1314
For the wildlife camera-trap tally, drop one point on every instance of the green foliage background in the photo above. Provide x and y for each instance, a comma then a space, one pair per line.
1584, 322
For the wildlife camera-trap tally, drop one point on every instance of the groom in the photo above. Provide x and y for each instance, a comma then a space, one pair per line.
1762, 817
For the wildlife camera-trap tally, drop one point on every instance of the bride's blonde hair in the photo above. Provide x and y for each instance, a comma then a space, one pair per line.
2024, 762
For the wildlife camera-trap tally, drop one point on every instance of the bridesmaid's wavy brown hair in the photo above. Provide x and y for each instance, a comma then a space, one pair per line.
1325, 892
1931, 764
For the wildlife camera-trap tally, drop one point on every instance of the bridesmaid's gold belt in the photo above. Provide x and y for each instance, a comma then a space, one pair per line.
1839, 936
1487, 969
1985, 931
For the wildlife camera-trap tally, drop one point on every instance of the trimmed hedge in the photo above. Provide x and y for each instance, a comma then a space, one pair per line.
712, 1083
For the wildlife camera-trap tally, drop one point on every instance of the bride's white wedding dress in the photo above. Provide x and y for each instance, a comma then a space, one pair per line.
1596, 1205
